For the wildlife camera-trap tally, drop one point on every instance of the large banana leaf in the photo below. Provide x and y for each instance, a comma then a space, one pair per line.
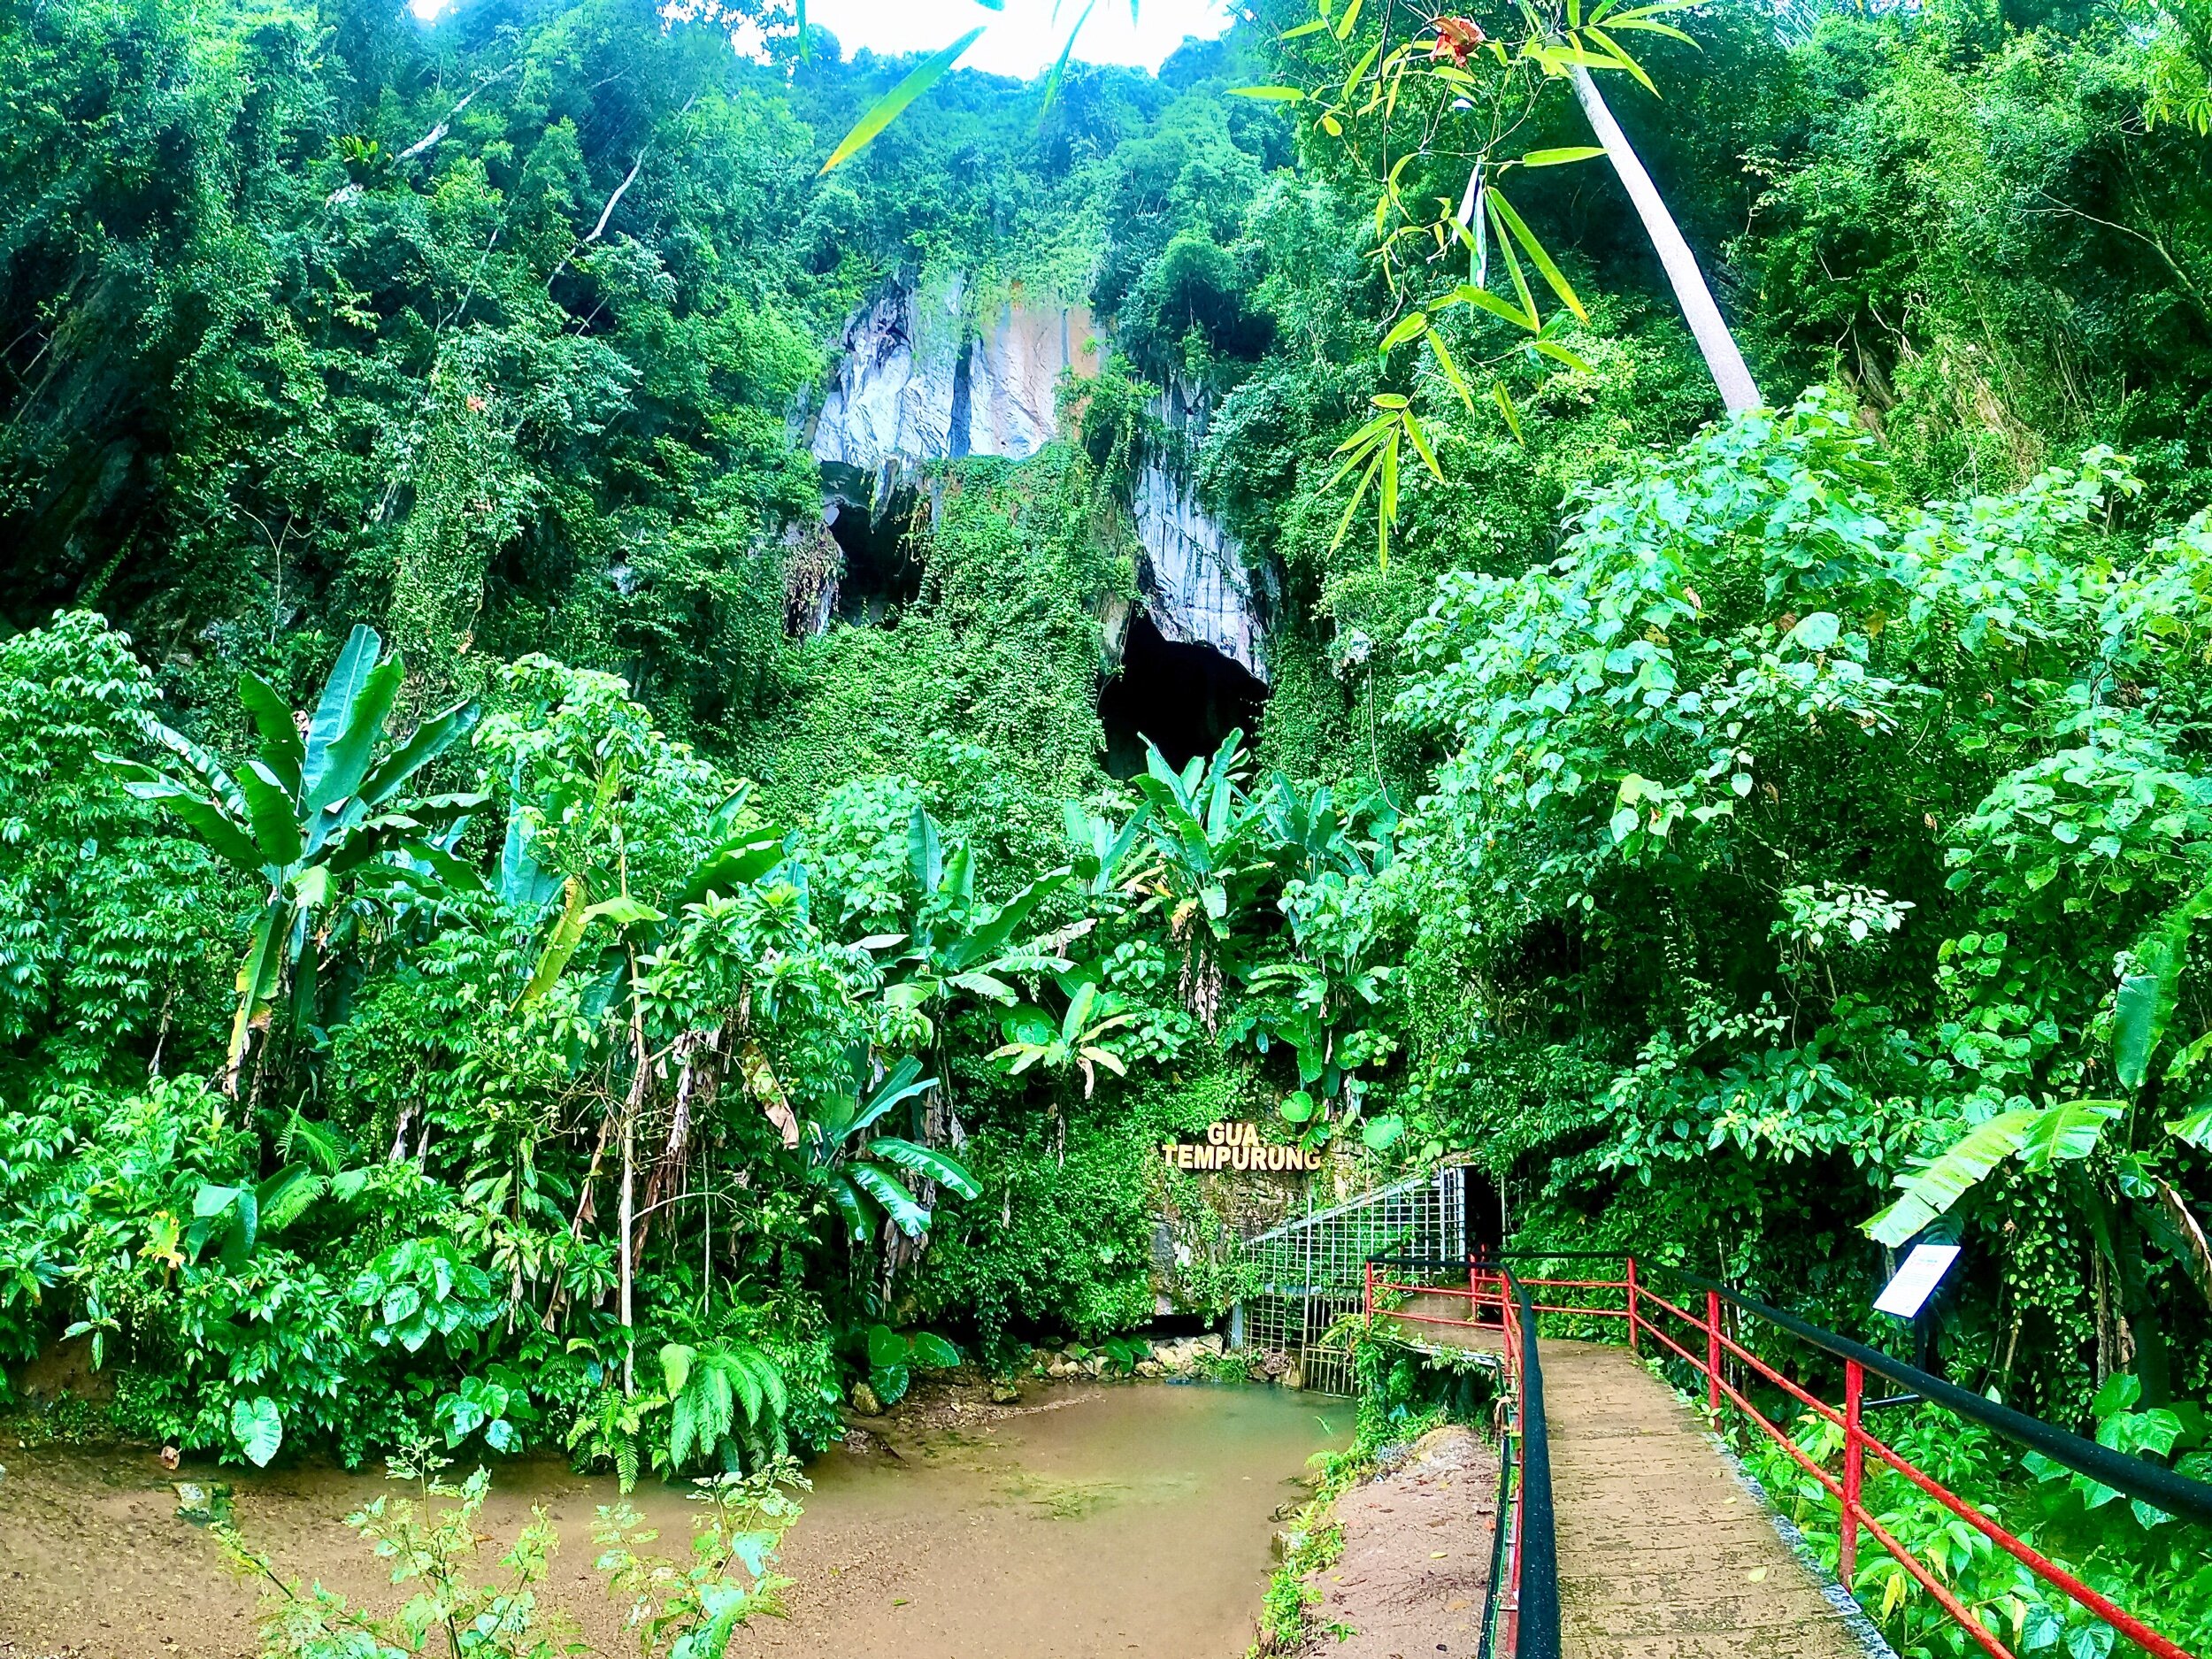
2068, 1133
523, 881
2146, 1002
201, 766
345, 759
902, 1083
1931, 1190
333, 712
431, 739
846, 1197
925, 852
220, 832
906, 1213
925, 1162
983, 941
275, 816
282, 750
737, 862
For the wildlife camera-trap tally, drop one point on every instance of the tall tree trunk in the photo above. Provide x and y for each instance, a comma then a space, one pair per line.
1726, 362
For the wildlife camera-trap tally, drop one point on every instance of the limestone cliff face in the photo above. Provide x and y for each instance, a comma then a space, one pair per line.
1198, 587
915, 383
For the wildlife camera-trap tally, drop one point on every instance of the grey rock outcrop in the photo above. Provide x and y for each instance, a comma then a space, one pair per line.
1198, 587
917, 382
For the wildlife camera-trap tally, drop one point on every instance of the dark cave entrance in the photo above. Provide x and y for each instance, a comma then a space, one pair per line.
1186, 698
883, 573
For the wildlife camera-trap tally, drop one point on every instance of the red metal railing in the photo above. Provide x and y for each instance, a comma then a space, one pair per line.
1520, 1612
1646, 1313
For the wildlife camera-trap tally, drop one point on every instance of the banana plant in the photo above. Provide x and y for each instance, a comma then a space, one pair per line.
951, 945
1077, 1041
1207, 834
2133, 1202
855, 1169
1315, 837
1210, 856
1104, 853
312, 805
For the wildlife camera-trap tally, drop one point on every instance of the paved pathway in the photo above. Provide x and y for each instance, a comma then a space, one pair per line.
1665, 1551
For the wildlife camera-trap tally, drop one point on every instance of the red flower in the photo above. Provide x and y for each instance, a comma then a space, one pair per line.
1456, 38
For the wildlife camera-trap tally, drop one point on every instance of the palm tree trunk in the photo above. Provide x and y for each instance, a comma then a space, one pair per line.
1736, 390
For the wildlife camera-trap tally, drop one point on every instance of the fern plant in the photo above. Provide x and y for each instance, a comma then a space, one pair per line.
706, 1387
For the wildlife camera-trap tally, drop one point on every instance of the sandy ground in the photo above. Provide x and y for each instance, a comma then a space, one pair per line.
1417, 1554
1084, 1521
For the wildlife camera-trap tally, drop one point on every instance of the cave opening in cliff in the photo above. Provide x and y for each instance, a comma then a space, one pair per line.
1186, 698
883, 566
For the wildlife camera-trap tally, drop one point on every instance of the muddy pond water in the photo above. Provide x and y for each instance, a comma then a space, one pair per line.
1084, 1523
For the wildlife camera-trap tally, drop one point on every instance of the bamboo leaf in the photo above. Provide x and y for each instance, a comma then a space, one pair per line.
1419, 440
1667, 29
1359, 71
1483, 299
1268, 94
1451, 370
1554, 349
889, 107
1561, 157
1512, 261
1408, 328
1060, 64
1541, 259
1616, 20
1389, 496
1499, 395
1350, 20
1623, 59
1358, 496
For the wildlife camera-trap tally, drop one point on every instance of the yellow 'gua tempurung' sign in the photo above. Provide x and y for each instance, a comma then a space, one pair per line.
1235, 1146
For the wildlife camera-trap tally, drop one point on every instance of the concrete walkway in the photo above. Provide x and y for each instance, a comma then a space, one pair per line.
1665, 1551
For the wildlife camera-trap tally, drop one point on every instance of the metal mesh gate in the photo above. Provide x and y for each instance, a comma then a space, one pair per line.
1310, 1273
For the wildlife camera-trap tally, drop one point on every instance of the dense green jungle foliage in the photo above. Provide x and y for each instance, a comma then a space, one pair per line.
473, 964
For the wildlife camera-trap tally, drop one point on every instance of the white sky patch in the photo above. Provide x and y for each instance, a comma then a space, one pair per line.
1024, 39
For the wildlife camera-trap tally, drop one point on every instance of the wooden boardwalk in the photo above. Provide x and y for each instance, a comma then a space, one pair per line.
1665, 1552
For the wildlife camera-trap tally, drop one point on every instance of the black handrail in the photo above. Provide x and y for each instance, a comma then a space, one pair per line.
2132, 1476
1499, 1527
1540, 1545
